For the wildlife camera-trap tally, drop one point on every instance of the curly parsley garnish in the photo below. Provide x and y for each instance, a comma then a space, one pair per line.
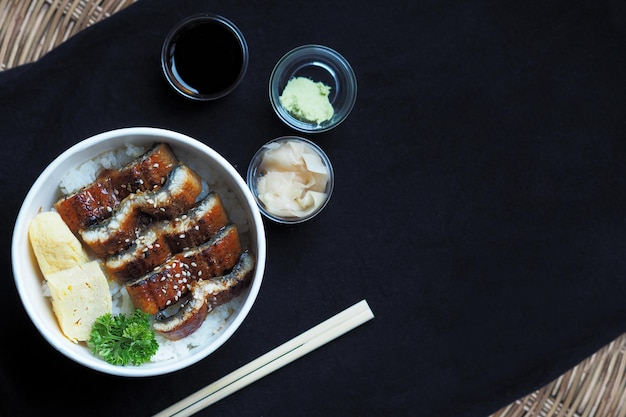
123, 340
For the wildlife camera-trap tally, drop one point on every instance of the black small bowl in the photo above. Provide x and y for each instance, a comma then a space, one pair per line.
204, 57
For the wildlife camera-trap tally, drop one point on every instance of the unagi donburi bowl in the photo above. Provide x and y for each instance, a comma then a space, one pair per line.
241, 208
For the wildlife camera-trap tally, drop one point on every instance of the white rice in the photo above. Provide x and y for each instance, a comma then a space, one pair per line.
170, 349
87, 172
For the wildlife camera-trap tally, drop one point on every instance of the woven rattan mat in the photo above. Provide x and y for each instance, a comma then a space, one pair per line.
30, 28
594, 388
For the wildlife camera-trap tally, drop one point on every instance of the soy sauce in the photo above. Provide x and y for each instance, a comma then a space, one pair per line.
206, 58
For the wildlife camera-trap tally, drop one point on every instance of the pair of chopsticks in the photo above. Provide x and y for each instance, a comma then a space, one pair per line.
306, 342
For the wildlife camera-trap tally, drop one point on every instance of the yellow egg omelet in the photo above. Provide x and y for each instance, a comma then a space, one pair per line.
79, 296
79, 288
55, 246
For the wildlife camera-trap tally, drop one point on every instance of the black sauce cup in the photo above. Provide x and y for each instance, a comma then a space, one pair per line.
204, 57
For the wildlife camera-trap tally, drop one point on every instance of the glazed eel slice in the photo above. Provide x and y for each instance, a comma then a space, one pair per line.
165, 238
170, 281
118, 232
204, 296
96, 201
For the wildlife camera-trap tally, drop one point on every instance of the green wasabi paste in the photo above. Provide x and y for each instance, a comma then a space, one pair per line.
307, 100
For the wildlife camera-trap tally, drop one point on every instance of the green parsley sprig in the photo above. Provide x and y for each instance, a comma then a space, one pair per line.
123, 340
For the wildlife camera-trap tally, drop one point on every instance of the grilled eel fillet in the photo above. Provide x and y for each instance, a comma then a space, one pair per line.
96, 201
163, 239
166, 284
117, 233
205, 295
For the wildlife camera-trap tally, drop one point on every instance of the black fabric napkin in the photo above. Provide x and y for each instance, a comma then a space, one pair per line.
479, 204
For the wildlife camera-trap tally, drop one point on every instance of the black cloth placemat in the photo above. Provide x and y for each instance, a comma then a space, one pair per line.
478, 207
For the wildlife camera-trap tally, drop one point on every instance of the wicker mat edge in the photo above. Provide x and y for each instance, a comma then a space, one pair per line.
31, 28
594, 388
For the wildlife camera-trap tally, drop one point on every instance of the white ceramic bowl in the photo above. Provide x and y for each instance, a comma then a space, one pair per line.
45, 192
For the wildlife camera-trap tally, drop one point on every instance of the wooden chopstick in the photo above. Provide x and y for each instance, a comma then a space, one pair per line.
280, 356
